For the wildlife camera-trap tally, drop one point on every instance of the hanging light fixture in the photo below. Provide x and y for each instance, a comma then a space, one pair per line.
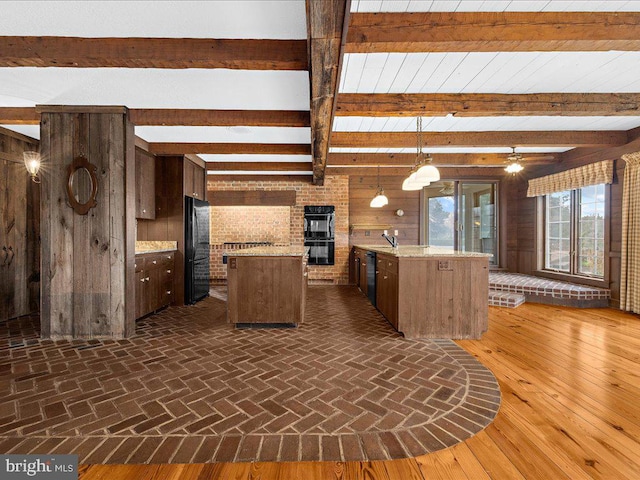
423, 173
514, 162
380, 200
32, 162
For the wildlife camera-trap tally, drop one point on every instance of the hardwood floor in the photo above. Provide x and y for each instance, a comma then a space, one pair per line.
570, 410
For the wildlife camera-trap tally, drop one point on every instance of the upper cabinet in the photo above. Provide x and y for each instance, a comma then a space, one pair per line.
194, 180
145, 185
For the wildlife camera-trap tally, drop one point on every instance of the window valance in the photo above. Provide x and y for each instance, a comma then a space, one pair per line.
592, 174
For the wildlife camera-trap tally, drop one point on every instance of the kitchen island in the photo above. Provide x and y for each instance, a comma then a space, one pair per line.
427, 292
267, 286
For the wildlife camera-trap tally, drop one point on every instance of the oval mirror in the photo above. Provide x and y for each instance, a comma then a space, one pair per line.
82, 185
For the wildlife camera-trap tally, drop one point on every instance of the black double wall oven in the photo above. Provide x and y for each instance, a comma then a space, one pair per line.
319, 233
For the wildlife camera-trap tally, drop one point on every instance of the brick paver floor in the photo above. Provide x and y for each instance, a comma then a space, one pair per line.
188, 388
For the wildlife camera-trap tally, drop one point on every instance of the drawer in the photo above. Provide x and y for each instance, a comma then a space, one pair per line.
387, 263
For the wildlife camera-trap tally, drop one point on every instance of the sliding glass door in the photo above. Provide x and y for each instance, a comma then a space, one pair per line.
462, 216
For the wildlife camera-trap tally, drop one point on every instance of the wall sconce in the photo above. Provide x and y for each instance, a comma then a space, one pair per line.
32, 162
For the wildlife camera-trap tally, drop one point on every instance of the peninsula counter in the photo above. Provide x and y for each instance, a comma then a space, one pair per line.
428, 292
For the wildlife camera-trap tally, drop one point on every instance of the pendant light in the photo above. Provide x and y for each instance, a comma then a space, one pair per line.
423, 173
380, 200
32, 163
514, 162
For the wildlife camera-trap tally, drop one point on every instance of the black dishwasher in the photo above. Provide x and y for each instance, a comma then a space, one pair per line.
371, 277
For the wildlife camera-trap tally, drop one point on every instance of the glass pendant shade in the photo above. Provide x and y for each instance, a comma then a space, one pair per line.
380, 200
410, 183
427, 173
514, 168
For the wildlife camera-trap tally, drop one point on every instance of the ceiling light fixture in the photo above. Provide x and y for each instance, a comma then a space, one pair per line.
32, 162
514, 161
380, 200
423, 173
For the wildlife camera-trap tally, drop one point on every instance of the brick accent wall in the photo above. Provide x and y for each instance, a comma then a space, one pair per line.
274, 223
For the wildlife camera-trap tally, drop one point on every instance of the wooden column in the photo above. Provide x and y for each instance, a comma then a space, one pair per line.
88, 260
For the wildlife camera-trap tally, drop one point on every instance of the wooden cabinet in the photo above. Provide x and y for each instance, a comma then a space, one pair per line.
387, 287
266, 289
145, 185
154, 282
360, 268
194, 180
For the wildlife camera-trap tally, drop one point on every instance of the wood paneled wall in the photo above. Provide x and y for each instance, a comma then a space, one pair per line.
19, 229
523, 255
87, 291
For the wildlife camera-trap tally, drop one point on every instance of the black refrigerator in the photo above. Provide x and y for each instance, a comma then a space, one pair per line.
196, 251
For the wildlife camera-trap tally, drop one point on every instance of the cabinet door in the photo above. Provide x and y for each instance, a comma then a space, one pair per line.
141, 294
392, 298
145, 187
199, 182
363, 274
189, 174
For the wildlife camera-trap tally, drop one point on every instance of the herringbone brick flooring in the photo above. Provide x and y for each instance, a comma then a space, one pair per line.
188, 388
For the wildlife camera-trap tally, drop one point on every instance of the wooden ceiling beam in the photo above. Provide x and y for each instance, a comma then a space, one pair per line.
260, 166
224, 118
487, 104
212, 178
493, 32
153, 53
161, 148
327, 22
404, 172
439, 159
19, 116
561, 138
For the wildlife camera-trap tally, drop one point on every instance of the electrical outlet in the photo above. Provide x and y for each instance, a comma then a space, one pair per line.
444, 265
367, 233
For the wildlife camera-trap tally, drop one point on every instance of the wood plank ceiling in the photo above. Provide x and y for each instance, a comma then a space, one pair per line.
282, 87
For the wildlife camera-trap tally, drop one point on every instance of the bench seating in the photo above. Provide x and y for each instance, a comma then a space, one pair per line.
542, 290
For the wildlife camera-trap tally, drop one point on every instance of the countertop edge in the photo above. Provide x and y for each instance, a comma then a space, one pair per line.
161, 250
399, 254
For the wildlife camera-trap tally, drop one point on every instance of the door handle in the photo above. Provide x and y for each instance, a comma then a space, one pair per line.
6, 255
13, 254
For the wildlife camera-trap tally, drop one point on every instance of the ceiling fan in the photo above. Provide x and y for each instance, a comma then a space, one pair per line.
447, 188
515, 161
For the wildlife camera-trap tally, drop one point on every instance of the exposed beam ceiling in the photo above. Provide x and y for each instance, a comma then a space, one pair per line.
439, 159
492, 32
153, 53
327, 22
488, 104
445, 173
161, 148
479, 139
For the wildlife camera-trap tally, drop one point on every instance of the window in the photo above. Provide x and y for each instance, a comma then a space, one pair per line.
574, 231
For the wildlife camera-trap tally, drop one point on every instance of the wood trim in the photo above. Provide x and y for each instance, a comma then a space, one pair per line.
202, 117
197, 160
439, 159
229, 148
142, 144
487, 104
327, 23
285, 198
171, 53
260, 166
563, 138
19, 116
454, 173
104, 109
211, 179
493, 32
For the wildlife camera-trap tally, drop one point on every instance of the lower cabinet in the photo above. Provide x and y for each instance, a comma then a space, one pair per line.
154, 282
387, 288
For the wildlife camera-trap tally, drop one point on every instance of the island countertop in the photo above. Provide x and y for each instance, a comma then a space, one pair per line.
270, 251
421, 251
159, 246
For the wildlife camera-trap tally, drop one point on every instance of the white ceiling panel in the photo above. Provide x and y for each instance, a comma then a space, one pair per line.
472, 124
450, 150
256, 172
212, 158
225, 134
259, 19
482, 72
495, 5
158, 88
32, 131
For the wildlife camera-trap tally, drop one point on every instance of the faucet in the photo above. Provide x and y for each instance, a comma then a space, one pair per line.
393, 241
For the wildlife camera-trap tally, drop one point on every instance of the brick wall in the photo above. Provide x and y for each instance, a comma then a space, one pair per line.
335, 191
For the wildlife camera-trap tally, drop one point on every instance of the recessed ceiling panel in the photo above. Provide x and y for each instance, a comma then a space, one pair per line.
472, 124
225, 134
490, 72
495, 5
256, 19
